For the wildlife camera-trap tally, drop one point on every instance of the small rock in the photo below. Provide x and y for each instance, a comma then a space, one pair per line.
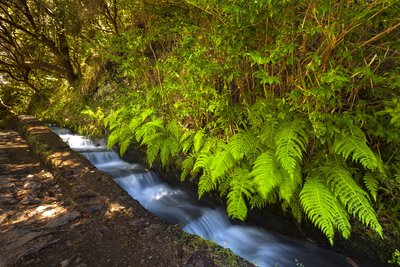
31, 185
83, 192
93, 208
155, 227
65, 263
98, 234
78, 260
136, 223
64, 219
29, 199
7, 183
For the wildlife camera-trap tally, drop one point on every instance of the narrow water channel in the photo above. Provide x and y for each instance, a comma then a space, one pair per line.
173, 205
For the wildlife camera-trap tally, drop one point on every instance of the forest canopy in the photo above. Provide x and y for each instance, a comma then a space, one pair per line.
295, 103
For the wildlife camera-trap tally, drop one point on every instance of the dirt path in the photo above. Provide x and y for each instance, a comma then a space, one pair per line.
74, 216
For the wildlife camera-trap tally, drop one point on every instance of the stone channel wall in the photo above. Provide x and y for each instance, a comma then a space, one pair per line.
94, 192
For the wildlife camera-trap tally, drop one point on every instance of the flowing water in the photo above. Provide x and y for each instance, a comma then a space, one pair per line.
176, 206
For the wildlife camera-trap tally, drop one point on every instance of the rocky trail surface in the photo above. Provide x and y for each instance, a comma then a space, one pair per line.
56, 209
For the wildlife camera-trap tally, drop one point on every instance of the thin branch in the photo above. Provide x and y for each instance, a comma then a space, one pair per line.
388, 30
8, 108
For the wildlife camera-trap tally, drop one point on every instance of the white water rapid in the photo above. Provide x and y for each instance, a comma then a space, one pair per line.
179, 207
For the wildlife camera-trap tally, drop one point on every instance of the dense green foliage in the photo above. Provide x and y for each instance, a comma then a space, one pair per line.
290, 102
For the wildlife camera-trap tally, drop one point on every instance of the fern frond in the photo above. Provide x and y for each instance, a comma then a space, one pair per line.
371, 182
152, 153
119, 136
353, 197
175, 129
224, 185
341, 220
290, 185
266, 174
148, 129
242, 143
290, 143
296, 209
169, 148
147, 113
198, 141
113, 120
135, 123
113, 139
153, 137
124, 145
354, 143
241, 187
187, 166
267, 134
257, 201
211, 144
322, 208
186, 141
206, 184
222, 163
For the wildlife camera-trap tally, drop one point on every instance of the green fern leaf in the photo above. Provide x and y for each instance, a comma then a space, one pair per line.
257, 201
175, 129
354, 143
353, 197
371, 182
206, 183
187, 166
290, 143
210, 144
341, 221
124, 145
242, 143
241, 187
113, 120
198, 141
267, 134
222, 163
296, 209
148, 129
113, 139
118, 136
169, 148
322, 208
266, 174
153, 137
224, 185
186, 141
146, 113
152, 153
290, 185
135, 123
165, 152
